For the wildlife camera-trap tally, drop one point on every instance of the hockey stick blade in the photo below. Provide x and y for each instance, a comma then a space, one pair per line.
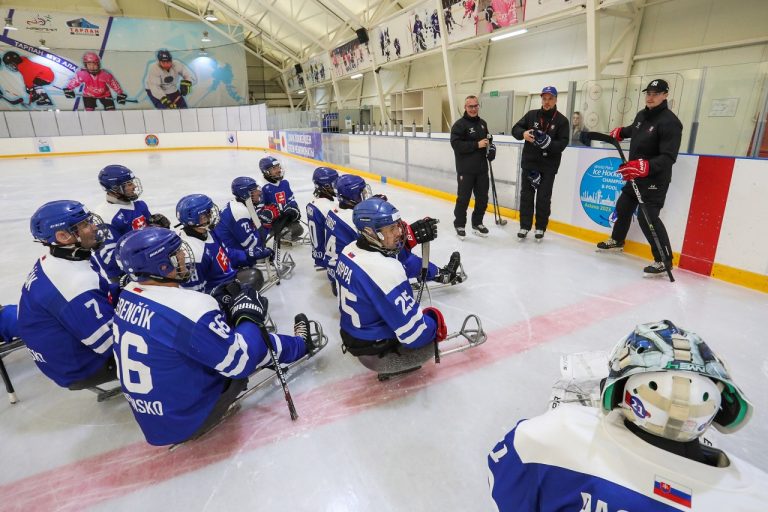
586, 137
12, 102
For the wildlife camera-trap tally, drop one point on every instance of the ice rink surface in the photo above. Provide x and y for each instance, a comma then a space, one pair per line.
414, 444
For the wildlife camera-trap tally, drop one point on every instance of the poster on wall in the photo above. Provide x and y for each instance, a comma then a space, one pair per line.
349, 58
68, 61
469, 18
599, 188
306, 144
415, 31
293, 79
538, 8
317, 69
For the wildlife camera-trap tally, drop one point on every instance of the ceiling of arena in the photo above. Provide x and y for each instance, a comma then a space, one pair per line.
281, 32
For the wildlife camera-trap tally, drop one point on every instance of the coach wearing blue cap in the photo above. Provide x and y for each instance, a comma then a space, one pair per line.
546, 132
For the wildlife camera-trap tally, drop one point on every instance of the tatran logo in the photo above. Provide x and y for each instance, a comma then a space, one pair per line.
600, 188
82, 27
151, 140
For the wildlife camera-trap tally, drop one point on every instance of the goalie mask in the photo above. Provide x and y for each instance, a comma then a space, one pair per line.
668, 382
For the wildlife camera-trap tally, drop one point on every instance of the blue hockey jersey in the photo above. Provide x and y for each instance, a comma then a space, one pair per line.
212, 266
9, 327
175, 352
279, 194
121, 218
572, 458
242, 239
316, 211
376, 300
65, 319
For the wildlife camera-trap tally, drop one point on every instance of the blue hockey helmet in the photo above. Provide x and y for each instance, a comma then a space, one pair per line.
374, 214
243, 187
197, 210
271, 169
120, 181
64, 215
155, 253
164, 55
667, 381
351, 190
324, 179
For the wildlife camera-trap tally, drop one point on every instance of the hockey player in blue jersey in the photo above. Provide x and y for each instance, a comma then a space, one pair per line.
281, 212
240, 230
198, 216
9, 324
665, 387
381, 323
324, 179
122, 212
64, 317
182, 361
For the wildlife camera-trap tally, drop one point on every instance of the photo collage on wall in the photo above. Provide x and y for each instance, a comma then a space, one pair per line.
352, 57
469, 18
67, 61
415, 31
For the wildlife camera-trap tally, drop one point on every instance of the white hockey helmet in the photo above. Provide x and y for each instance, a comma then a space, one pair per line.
668, 382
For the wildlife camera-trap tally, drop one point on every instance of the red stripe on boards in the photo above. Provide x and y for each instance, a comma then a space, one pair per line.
705, 216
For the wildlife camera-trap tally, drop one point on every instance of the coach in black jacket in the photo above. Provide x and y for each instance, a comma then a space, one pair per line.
546, 132
473, 150
656, 133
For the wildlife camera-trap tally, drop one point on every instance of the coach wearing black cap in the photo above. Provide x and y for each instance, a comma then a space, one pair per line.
546, 134
656, 133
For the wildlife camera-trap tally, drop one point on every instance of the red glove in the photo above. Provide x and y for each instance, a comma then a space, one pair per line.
410, 238
267, 215
616, 134
442, 330
634, 169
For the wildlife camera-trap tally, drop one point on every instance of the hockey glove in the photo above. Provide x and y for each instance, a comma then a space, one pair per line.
424, 230
259, 253
33, 94
69, 93
491, 155
441, 331
267, 215
541, 140
159, 220
535, 178
616, 134
185, 87
224, 293
634, 169
292, 213
167, 103
249, 306
121, 99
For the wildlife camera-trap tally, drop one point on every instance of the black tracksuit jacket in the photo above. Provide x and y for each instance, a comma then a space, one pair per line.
465, 133
556, 126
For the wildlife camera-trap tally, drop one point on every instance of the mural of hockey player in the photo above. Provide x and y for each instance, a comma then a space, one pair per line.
162, 80
397, 47
35, 76
505, 13
469, 9
419, 44
448, 15
98, 84
435, 22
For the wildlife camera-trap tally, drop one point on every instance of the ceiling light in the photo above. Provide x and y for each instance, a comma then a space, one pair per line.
202, 52
355, 77
205, 38
300, 91
9, 24
42, 45
510, 34
209, 16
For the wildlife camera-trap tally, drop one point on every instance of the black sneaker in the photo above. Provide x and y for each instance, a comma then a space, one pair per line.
656, 269
610, 245
461, 232
480, 230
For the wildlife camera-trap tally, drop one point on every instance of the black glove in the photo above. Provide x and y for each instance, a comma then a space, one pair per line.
424, 230
159, 220
224, 293
121, 98
535, 178
185, 87
540, 139
491, 154
69, 93
292, 213
167, 103
124, 280
249, 306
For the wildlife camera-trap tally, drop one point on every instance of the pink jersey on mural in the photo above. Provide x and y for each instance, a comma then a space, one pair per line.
505, 13
96, 86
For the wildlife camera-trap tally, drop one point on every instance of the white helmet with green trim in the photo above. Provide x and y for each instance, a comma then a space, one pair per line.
668, 382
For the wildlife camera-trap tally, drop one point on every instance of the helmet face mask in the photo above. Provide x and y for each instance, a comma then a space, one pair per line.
244, 187
81, 227
271, 169
352, 190
198, 211
120, 182
682, 368
90, 233
378, 222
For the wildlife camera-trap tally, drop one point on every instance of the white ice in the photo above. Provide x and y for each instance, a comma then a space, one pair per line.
415, 444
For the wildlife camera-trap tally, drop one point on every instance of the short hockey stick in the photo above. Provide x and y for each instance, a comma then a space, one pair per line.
280, 373
602, 137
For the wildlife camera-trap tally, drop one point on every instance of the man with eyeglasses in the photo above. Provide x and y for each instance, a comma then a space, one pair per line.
656, 133
473, 151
